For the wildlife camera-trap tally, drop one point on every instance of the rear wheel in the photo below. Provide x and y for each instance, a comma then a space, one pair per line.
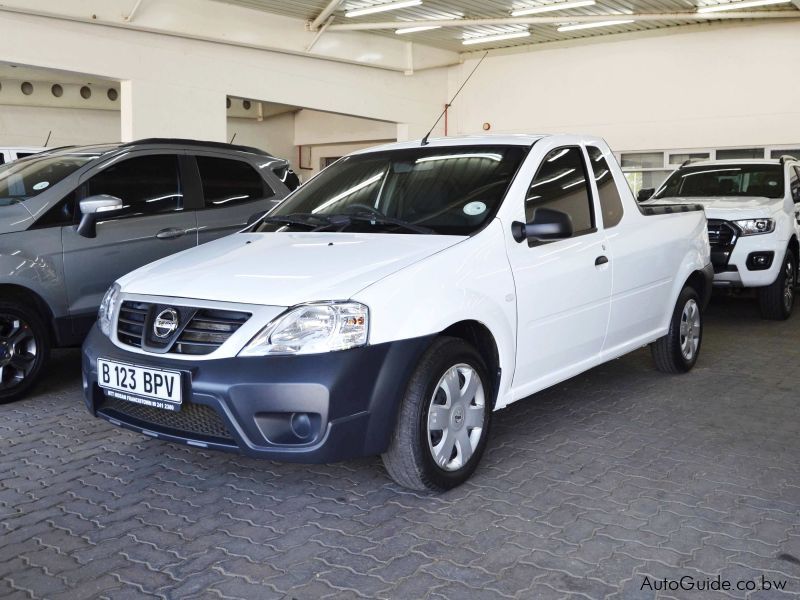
444, 419
777, 300
677, 351
24, 348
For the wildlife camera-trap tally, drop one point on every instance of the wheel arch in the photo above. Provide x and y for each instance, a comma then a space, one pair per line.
481, 338
794, 247
20, 293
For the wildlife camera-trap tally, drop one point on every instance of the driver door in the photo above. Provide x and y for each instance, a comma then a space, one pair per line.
153, 223
563, 286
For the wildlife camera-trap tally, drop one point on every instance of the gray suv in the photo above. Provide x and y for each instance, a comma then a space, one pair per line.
74, 219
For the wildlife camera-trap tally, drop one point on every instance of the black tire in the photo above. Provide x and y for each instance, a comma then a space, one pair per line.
24, 349
410, 457
670, 352
776, 301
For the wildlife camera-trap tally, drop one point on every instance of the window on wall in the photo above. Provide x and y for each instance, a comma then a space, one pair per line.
681, 157
740, 153
610, 202
227, 182
562, 184
145, 184
793, 152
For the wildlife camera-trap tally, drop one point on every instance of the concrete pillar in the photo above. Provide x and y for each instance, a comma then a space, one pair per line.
154, 109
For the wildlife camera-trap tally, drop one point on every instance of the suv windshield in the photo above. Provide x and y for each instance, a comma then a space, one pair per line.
28, 177
447, 191
724, 180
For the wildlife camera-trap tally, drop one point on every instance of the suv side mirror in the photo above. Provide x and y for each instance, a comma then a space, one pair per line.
93, 206
547, 225
645, 194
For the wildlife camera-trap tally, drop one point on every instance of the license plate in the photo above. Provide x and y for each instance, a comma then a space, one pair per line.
159, 388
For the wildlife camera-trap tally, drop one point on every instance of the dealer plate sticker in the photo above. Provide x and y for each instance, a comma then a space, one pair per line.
158, 388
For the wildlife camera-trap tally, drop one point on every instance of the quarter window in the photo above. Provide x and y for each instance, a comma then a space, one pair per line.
610, 202
794, 184
146, 185
562, 184
227, 182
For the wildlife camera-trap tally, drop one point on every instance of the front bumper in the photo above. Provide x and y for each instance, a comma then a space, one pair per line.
245, 405
737, 272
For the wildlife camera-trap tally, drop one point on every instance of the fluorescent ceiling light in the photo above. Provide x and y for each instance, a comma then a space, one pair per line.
416, 29
592, 25
496, 38
521, 12
737, 5
371, 10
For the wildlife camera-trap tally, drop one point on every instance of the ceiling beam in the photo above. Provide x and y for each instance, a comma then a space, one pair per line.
551, 20
323, 16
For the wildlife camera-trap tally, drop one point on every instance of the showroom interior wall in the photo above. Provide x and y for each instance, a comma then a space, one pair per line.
713, 85
174, 86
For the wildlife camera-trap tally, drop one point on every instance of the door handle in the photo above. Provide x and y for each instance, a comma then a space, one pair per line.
600, 260
170, 233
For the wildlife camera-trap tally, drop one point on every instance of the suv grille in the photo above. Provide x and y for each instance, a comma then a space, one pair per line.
721, 234
199, 331
196, 421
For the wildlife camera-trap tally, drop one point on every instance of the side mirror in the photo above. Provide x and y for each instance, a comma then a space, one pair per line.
547, 225
91, 208
645, 194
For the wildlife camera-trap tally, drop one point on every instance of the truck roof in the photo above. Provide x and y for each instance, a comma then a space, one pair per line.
489, 139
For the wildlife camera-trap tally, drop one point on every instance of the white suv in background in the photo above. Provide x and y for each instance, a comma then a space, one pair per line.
753, 210
8, 154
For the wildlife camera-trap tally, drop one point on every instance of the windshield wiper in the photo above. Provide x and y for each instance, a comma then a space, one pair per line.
345, 219
301, 219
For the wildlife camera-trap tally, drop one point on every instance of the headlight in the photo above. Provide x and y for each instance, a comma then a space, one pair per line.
106, 313
756, 226
313, 329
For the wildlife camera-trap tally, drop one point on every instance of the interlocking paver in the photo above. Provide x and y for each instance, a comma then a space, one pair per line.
585, 489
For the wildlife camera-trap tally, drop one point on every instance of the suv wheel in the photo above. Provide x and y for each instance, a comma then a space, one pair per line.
777, 300
677, 351
24, 348
443, 423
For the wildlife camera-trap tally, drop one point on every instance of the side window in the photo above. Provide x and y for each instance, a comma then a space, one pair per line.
227, 182
146, 185
562, 184
610, 202
794, 184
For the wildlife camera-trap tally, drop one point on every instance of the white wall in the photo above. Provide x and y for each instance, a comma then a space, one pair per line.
29, 126
314, 127
720, 85
172, 86
273, 134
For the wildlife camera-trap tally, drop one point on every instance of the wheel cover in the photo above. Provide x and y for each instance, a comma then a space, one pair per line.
455, 417
788, 286
18, 351
690, 329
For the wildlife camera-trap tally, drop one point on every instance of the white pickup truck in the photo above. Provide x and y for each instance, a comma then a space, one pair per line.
390, 304
753, 210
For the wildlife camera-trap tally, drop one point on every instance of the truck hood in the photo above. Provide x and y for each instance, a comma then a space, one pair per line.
283, 269
730, 208
14, 217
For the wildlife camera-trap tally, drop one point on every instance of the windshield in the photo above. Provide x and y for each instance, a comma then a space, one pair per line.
28, 177
447, 191
724, 180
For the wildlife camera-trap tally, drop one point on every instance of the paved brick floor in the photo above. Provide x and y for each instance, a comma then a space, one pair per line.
586, 489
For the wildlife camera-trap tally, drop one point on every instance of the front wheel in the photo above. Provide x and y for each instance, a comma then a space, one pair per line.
677, 351
777, 300
24, 348
443, 422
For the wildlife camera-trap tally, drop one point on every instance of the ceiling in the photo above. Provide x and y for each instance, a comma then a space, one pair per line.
451, 38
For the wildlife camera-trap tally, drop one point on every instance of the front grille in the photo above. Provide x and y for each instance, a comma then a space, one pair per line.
194, 421
201, 330
208, 330
721, 234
